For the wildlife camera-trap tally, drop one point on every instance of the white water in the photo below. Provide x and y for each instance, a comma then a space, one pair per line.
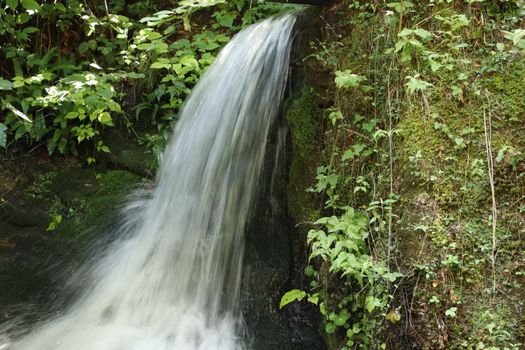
173, 281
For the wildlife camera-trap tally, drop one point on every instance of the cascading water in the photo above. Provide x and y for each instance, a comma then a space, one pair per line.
173, 280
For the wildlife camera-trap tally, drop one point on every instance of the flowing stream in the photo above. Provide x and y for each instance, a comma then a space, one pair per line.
173, 279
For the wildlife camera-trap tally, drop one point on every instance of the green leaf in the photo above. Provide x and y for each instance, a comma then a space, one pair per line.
54, 223
515, 36
83, 47
335, 116
314, 299
415, 84
400, 6
392, 276
30, 4
105, 119
225, 19
341, 318
154, 35
12, 3
169, 29
405, 32
309, 271
72, 115
5, 84
346, 79
330, 328
423, 34
23, 18
3, 136
160, 65
30, 30
291, 296
189, 61
371, 303
452, 312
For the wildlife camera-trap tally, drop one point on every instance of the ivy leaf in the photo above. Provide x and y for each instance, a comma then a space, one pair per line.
291, 296
330, 328
30, 5
400, 6
3, 136
224, 18
314, 299
415, 84
341, 319
392, 276
371, 303
334, 116
346, 79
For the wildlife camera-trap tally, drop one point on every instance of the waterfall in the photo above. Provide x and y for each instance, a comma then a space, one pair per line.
172, 281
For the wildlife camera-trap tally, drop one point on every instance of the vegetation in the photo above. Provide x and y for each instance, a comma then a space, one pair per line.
74, 69
419, 242
407, 172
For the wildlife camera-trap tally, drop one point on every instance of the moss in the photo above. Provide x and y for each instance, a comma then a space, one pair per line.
87, 209
303, 115
33, 261
117, 181
126, 154
443, 236
457, 223
508, 91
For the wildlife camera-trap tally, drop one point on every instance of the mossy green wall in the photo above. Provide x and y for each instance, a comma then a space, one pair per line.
304, 118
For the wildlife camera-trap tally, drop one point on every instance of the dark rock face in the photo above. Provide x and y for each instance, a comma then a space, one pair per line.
275, 254
271, 257
35, 262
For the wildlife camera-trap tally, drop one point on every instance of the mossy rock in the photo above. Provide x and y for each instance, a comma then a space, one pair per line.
33, 260
303, 115
127, 154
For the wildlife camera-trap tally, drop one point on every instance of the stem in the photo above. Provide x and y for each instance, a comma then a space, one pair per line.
391, 170
401, 11
487, 126
109, 19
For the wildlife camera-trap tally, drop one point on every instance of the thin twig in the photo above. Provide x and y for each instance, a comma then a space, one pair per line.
391, 167
487, 126
109, 19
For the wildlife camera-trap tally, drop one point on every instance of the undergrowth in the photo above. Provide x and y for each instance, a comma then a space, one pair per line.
73, 69
420, 242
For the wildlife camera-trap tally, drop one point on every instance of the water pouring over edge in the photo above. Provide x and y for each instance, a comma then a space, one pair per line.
172, 281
